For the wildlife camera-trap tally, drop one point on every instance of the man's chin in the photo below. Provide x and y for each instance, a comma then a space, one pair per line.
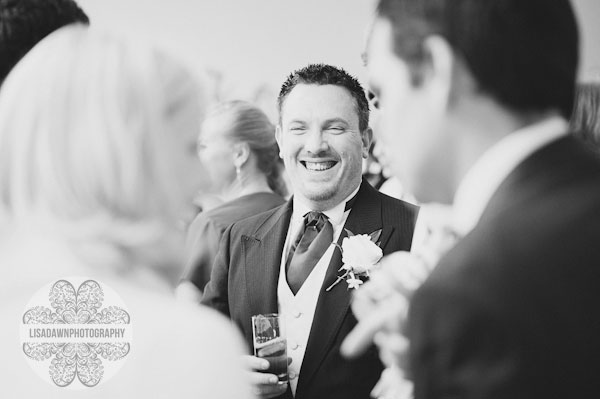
326, 197
321, 194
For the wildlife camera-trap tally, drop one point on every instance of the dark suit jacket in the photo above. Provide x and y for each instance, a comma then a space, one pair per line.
512, 311
244, 283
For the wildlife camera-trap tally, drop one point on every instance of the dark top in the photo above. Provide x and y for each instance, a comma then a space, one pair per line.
206, 230
512, 311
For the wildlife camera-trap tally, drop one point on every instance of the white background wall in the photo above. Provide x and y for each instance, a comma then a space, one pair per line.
589, 19
253, 42
256, 42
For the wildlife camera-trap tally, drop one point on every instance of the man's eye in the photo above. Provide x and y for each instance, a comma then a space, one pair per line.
296, 128
336, 128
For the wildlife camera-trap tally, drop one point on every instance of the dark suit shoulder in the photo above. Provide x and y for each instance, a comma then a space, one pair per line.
525, 278
549, 204
536, 269
402, 215
393, 210
395, 203
521, 251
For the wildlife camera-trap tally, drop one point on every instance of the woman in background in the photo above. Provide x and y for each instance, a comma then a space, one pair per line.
97, 166
237, 146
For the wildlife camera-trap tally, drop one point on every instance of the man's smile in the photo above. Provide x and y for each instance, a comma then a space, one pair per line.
318, 165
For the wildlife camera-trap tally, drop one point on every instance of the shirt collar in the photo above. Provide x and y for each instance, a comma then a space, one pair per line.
485, 176
335, 214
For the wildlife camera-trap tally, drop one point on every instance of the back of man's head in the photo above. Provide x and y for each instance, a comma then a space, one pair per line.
323, 74
23, 23
523, 53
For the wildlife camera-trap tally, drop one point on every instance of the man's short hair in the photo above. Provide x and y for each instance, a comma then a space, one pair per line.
524, 53
23, 23
323, 74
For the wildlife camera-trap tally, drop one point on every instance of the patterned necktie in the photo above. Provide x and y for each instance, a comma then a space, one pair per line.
310, 245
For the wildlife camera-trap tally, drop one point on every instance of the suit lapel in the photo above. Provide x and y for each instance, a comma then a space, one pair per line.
332, 306
262, 253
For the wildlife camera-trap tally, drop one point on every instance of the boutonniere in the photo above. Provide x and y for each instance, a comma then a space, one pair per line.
360, 255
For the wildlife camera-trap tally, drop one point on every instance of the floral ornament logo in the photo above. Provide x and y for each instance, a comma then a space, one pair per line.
360, 255
76, 333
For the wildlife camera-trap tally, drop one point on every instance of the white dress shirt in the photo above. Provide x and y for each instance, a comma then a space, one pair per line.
299, 310
493, 167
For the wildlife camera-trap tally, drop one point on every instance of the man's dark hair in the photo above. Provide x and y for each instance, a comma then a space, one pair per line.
524, 53
23, 23
322, 74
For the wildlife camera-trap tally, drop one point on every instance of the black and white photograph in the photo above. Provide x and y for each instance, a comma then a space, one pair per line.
316, 199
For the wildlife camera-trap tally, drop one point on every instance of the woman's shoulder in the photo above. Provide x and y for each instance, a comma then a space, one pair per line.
190, 345
175, 350
162, 313
183, 350
242, 208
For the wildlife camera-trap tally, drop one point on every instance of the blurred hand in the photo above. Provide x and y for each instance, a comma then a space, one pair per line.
265, 385
393, 385
381, 304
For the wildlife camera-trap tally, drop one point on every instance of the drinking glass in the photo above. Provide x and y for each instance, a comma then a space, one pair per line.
270, 343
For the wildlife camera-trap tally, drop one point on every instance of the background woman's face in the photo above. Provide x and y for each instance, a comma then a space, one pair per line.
190, 173
216, 151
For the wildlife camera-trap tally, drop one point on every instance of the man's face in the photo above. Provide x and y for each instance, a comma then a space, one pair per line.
409, 124
320, 143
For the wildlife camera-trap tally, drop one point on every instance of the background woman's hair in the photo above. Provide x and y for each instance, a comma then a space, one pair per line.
84, 121
248, 124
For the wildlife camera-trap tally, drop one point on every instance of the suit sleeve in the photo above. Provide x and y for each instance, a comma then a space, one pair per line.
460, 347
216, 293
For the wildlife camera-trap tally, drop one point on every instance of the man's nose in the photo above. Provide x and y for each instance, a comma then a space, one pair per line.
316, 141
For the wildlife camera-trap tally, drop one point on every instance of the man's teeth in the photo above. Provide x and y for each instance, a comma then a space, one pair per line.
319, 165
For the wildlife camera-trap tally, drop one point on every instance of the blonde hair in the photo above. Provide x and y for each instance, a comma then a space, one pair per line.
83, 121
249, 124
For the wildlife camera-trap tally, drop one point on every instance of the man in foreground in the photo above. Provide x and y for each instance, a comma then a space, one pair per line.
475, 97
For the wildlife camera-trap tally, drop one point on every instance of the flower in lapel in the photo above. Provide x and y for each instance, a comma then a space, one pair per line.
360, 254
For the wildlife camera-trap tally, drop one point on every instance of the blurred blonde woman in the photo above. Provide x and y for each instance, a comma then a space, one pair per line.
237, 147
97, 165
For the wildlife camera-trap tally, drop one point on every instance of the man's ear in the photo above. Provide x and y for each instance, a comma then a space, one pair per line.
278, 134
438, 78
241, 153
366, 138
